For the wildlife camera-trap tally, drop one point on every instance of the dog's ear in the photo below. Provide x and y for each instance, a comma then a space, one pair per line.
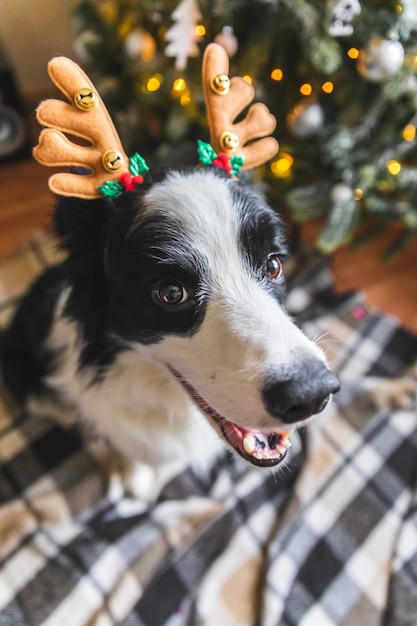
82, 225
225, 99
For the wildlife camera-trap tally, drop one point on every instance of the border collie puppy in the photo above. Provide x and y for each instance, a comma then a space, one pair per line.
164, 331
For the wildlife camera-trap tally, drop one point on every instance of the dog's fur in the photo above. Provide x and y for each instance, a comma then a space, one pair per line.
95, 337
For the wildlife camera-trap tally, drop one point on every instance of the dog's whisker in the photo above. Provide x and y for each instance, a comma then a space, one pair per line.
323, 338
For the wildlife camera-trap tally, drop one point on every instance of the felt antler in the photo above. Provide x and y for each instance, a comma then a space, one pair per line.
86, 118
225, 98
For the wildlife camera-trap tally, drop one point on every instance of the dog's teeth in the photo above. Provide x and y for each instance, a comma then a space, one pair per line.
286, 443
249, 443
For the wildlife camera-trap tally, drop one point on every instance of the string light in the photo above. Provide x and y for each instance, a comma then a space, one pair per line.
327, 87
200, 30
409, 132
180, 90
281, 168
353, 53
306, 89
248, 79
277, 74
154, 82
357, 194
185, 99
179, 85
394, 167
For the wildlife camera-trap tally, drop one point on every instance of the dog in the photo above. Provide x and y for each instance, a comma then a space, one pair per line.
164, 331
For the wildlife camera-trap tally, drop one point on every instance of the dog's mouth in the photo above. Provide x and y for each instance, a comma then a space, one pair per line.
261, 448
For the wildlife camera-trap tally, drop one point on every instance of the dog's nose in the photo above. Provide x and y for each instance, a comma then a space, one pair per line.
305, 393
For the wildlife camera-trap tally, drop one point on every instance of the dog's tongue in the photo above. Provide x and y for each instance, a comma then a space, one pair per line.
265, 449
257, 444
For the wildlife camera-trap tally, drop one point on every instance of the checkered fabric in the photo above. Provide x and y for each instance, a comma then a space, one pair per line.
331, 541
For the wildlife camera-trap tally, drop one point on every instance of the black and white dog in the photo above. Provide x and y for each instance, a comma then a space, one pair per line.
165, 331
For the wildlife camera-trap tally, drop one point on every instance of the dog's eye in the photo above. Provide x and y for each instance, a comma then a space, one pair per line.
171, 293
273, 267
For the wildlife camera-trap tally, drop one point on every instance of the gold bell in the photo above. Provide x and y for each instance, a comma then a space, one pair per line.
112, 160
220, 84
229, 140
85, 99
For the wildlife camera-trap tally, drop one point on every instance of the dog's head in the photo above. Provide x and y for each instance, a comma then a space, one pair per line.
189, 269
186, 267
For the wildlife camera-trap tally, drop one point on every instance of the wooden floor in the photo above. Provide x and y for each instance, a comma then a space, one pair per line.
26, 205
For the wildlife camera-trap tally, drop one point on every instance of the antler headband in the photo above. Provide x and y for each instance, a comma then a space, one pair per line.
225, 98
233, 145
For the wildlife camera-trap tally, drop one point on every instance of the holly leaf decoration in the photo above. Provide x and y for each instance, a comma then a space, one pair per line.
111, 188
137, 165
206, 153
236, 163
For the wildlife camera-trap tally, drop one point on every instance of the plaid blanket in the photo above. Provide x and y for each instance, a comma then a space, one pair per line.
330, 541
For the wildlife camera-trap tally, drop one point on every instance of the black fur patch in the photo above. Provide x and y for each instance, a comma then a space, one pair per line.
25, 360
140, 259
261, 233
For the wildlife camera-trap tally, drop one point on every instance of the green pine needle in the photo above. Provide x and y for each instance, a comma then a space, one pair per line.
339, 227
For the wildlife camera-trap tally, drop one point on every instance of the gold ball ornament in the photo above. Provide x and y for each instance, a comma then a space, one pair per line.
229, 141
112, 160
220, 84
381, 59
85, 99
227, 40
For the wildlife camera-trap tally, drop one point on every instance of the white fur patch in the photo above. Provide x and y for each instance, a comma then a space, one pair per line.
138, 406
246, 334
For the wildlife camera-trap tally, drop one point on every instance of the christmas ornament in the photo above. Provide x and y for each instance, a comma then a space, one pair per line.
340, 15
306, 119
341, 194
228, 40
381, 59
12, 132
182, 36
85, 42
140, 45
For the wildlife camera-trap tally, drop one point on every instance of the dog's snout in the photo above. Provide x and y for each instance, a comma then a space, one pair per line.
306, 393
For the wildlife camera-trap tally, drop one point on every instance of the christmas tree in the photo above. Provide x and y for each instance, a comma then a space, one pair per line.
339, 75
